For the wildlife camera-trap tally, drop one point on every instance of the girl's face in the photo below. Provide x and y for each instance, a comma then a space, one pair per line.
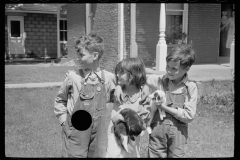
122, 79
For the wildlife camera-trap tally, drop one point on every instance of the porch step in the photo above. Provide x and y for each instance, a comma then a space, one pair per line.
222, 60
28, 60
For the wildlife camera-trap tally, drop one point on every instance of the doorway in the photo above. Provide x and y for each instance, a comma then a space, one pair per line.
226, 31
16, 35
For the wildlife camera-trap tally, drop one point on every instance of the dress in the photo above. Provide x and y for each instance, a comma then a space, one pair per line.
113, 150
231, 32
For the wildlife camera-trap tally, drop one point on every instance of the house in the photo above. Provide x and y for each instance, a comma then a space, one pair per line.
31, 30
128, 29
133, 29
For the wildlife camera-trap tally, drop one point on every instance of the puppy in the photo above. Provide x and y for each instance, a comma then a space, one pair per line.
132, 126
158, 97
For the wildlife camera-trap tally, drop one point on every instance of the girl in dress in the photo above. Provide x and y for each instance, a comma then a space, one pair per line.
130, 76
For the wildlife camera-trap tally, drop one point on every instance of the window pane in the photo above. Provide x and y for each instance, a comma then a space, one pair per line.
65, 36
61, 24
61, 35
15, 28
65, 22
175, 6
173, 27
174, 12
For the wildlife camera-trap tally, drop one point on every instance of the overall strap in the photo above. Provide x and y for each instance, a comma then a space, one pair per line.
103, 76
82, 76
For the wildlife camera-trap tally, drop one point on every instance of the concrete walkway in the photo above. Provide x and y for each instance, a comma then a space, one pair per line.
198, 73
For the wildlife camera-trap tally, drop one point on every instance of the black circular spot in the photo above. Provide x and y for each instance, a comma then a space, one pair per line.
81, 120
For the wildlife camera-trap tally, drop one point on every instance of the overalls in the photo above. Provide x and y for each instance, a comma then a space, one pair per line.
169, 135
93, 141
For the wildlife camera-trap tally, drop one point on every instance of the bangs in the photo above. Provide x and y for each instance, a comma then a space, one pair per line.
133, 67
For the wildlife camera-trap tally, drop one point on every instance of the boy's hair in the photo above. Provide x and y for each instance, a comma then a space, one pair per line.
133, 67
185, 54
91, 42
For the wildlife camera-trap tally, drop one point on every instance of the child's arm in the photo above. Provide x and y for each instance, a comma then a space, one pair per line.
60, 103
187, 113
118, 94
145, 93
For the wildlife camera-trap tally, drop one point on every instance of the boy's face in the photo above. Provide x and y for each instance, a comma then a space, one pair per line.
86, 59
175, 71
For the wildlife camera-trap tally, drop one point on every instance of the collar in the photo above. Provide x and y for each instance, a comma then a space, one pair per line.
133, 98
87, 73
165, 80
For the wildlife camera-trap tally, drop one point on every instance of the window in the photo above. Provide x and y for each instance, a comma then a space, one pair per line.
176, 23
15, 29
63, 36
63, 30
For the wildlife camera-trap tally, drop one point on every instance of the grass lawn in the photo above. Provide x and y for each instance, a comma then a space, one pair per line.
35, 73
32, 130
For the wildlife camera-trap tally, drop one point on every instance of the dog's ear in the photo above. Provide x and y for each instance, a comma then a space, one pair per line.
124, 112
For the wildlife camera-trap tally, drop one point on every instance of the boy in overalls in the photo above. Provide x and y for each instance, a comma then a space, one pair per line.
85, 89
169, 136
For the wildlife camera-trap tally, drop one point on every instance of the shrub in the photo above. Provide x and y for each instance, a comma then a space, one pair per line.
221, 98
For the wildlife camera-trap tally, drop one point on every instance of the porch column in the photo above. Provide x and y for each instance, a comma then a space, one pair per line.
161, 46
58, 36
133, 46
121, 30
88, 18
232, 54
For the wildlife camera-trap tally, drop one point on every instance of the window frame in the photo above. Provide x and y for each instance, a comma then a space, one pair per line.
184, 14
62, 19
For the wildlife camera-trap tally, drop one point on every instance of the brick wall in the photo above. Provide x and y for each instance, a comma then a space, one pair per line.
41, 30
147, 31
76, 24
106, 25
204, 30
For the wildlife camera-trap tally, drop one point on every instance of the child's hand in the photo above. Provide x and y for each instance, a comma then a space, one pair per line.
149, 130
145, 93
130, 149
145, 100
118, 94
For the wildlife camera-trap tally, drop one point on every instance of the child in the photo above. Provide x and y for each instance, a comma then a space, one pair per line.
85, 89
169, 135
131, 76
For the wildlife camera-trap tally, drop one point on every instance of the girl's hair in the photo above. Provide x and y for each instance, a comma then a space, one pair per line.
185, 54
134, 68
92, 43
